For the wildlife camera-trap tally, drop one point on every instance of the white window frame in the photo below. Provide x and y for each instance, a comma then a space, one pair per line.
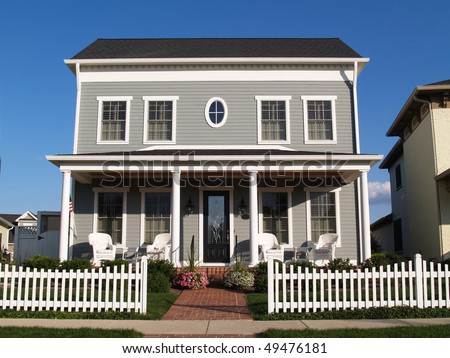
102, 99
260, 210
305, 100
172, 99
124, 209
336, 191
143, 192
225, 115
287, 99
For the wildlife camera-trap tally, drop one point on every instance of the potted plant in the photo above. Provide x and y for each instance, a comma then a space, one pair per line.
239, 277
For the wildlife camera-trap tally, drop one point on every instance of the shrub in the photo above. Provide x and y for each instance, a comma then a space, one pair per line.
117, 262
158, 282
340, 264
76, 264
239, 278
162, 266
303, 264
41, 262
191, 280
260, 273
383, 259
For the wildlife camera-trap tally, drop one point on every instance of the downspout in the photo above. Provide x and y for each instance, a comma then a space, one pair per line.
77, 108
441, 245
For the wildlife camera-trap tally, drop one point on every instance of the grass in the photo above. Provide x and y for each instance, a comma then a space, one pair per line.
442, 331
257, 304
38, 332
157, 305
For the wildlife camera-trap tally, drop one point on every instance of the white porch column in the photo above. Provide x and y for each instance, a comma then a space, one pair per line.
176, 220
253, 217
365, 217
64, 228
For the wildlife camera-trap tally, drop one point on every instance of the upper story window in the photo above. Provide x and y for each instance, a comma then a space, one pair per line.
113, 119
273, 119
320, 119
159, 119
216, 112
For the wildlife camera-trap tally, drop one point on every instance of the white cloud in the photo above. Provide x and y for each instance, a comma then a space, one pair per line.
380, 192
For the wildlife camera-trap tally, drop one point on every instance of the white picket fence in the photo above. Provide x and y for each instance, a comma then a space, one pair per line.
119, 289
415, 284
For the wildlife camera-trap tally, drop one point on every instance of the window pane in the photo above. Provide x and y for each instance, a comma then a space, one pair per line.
275, 215
323, 214
157, 215
110, 211
159, 125
273, 120
320, 120
114, 120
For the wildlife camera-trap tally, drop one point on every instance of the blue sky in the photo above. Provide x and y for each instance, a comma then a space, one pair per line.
407, 43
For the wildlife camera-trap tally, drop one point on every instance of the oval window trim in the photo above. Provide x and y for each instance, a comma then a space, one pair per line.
208, 113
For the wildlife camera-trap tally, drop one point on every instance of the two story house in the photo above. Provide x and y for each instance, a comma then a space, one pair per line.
419, 168
215, 141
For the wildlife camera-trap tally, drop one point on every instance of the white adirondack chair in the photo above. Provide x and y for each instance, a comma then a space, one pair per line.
160, 249
269, 247
102, 247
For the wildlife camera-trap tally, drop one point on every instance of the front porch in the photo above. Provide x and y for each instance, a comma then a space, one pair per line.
216, 201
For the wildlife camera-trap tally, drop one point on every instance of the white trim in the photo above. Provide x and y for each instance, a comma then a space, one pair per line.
144, 191
222, 76
305, 100
289, 192
232, 243
174, 100
223, 60
125, 191
77, 110
286, 99
225, 115
336, 191
102, 99
215, 147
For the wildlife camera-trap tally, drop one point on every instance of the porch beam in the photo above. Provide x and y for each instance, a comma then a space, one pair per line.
176, 220
253, 217
64, 225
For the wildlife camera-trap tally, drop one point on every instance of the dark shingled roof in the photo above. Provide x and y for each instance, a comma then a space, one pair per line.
216, 48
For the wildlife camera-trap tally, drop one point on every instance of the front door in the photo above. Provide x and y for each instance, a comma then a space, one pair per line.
216, 239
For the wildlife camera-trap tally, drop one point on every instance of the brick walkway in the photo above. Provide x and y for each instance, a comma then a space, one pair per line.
209, 304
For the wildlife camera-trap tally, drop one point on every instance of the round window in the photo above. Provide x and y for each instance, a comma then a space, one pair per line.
216, 112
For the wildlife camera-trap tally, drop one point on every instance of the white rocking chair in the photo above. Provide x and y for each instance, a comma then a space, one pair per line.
102, 247
160, 249
269, 247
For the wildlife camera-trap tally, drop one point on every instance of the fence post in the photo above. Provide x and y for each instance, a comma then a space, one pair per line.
419, 280
144, 284
270, 278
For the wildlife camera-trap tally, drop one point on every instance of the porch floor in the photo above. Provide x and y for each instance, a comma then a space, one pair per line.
211, 303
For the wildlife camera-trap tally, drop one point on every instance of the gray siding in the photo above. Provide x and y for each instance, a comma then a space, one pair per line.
192, 129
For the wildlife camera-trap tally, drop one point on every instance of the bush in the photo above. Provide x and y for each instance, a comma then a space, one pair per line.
260, 274
41, 262
76, 264
239, 278
340, 264
162, 266
117, 262
158, 282
303, 264
383, 259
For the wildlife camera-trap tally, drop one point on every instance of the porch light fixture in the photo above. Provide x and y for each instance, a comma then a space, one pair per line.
189, 207
242, 208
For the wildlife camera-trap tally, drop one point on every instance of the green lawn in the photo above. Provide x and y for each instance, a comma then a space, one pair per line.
396, 332
257, 304
38, 332
157, 306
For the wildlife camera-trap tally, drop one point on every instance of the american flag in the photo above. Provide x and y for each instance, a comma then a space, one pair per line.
70, 207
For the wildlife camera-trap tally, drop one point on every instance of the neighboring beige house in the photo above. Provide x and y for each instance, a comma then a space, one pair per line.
419, 167
6, 231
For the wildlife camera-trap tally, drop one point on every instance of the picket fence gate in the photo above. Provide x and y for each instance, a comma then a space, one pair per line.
415, 284
115, 288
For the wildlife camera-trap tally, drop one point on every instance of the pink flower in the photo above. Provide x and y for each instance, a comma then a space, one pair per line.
191, 280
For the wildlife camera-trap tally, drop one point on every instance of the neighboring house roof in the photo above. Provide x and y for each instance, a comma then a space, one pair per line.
381, 222
216, 48
416, 100
393, 155
5, 223
11, 218
28, 215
